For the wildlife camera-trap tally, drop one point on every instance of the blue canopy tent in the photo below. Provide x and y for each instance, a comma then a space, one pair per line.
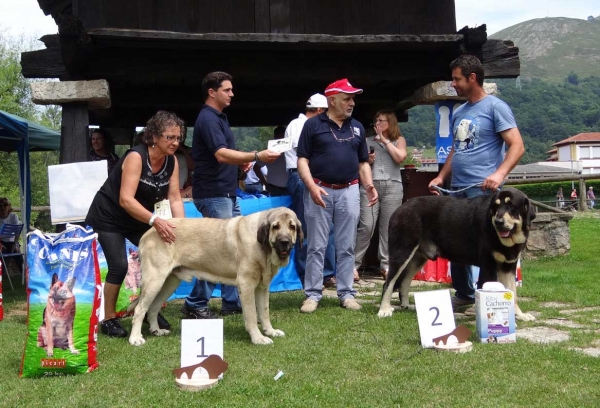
22, 135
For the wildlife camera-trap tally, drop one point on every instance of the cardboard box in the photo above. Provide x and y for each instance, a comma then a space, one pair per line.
495, 314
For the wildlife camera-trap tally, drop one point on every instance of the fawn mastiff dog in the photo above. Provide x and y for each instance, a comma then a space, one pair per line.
243, 251
488, 231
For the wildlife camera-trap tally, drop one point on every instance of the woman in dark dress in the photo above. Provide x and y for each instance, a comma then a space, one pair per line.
123, 207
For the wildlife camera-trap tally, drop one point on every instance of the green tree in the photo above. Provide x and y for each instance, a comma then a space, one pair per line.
15, 98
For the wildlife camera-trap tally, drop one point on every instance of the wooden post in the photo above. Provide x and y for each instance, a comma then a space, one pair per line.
74, 138
582, 195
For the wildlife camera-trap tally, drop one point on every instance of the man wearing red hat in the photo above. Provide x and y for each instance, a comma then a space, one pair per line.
332, 158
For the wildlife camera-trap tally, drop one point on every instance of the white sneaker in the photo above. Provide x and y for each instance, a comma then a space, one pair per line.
309, 306
351, 304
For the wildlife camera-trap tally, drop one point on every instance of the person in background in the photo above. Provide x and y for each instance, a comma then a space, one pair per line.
591, 197
315, 105
476, 163
560, 198
186, 167
332, 160
216, 180
256, 178
103, 148
278, 177
388, 150
123, 207
8, 244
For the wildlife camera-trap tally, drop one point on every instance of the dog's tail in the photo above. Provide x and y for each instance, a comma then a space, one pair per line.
132, 305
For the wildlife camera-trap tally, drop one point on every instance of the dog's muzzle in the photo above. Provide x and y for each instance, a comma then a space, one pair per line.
502, 229
283, 247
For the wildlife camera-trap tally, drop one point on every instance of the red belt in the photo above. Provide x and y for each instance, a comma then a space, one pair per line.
335, 186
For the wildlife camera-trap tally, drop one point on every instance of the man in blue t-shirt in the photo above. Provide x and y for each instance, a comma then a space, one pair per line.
481, 127
332, 158
215, 180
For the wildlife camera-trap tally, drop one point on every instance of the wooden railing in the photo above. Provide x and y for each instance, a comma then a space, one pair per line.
581, 197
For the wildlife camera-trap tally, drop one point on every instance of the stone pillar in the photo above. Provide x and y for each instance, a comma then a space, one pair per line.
76, 98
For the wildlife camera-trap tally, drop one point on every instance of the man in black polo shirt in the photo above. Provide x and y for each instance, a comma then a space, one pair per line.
215, 180
332, 158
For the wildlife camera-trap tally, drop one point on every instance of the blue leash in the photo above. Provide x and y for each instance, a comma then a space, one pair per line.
450, 192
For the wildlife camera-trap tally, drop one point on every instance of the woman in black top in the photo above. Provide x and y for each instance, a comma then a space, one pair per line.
103, 148
124, 205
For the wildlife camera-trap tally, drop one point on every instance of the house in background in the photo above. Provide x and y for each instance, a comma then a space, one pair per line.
582, 150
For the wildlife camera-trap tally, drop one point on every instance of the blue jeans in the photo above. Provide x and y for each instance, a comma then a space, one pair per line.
217, 207
252, 188
342, 208
295, 187
464, 276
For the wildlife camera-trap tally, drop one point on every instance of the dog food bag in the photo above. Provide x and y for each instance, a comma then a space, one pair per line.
130, 289
495, 314
63, 297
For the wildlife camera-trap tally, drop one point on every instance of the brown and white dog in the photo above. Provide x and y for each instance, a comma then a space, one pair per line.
243, 251
59, 315
488, 231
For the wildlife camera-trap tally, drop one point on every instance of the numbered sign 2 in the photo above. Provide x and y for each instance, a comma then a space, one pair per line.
435, 315
200, 339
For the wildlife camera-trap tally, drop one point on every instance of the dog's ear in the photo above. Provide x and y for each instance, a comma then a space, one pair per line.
54, 279
529, 210
262, 236
71, 283
299, 232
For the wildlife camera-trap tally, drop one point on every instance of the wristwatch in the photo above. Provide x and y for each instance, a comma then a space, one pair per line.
255, 156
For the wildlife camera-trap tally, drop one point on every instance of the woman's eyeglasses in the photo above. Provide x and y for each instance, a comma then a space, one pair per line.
378, 121
348, 139
174, 138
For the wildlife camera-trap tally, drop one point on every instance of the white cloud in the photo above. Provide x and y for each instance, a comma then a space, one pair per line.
24, 17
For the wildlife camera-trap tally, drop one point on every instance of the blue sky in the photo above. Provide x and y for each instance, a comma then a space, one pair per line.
19, 17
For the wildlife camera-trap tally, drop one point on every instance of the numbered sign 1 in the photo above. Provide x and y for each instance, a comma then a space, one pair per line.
200, 339
435, 315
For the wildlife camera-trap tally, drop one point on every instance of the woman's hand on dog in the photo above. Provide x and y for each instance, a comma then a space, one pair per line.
165, 230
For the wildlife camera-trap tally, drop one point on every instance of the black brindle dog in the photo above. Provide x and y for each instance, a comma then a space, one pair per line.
488, 231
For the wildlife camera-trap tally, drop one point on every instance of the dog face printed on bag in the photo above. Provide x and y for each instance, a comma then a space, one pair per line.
56, 330
134, 272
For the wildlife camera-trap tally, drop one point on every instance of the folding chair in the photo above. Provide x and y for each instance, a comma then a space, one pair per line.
10, 231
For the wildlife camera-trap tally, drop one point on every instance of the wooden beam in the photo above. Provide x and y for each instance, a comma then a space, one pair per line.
501, 59
46, 63
74, 140
413, 40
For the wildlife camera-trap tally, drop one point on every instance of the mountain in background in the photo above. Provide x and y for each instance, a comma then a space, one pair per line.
551, 48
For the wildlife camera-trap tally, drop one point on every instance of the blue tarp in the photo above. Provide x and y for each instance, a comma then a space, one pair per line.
286, 278
22, 135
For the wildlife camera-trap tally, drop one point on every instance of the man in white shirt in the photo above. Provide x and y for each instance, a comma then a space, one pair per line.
278, 176
314, 106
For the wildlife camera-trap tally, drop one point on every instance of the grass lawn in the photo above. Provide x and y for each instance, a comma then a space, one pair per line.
338, 358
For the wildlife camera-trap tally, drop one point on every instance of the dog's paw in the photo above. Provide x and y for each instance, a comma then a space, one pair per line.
525, 317
274, 333
136, 340
385, 312
49, 353
160, 332
262, 340
74, 350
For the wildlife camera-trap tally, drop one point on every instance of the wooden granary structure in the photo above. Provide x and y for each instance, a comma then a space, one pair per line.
153, 54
